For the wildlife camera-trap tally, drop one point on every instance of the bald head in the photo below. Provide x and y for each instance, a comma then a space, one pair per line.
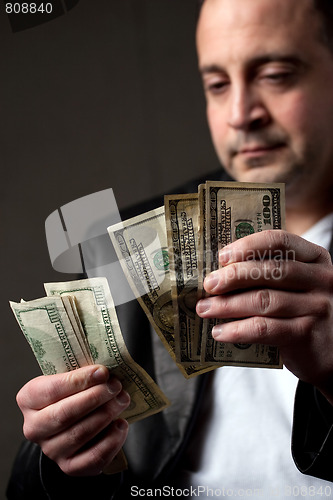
325, 10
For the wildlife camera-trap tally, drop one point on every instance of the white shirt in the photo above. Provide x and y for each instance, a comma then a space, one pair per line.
245, 451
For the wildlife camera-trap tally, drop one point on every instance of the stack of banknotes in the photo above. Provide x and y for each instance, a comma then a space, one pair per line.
76, 325
166, 254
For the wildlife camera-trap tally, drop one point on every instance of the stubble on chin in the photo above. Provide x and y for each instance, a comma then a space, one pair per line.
258, 170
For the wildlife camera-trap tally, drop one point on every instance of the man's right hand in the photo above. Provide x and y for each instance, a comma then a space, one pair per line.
74, 418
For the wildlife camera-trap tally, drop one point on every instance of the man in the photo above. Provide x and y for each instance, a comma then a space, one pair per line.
267, 69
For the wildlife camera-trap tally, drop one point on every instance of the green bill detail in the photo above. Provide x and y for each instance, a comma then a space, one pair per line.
161, 260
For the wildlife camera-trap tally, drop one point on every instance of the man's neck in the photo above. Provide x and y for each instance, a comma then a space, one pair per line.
305, 207
298, 221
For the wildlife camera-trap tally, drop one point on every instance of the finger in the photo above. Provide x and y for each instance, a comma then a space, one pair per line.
61, 415
73, 439
288, 275
261, 330
94, 458
46, 390
263, 302
273, 244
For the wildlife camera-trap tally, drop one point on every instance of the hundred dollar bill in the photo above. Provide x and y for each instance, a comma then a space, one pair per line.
141, 247
100, 323
202, 267
47, 328
181, 214
235, 210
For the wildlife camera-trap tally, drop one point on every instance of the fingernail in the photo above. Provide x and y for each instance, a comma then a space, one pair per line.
217, 331
114, 385
123, 398
225, 255
121, 424
100, 375
212, 281
203, 306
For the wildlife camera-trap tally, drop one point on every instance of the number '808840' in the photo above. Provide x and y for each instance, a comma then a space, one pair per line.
28, 8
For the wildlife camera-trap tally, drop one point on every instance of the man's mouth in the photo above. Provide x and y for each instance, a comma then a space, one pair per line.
254, 150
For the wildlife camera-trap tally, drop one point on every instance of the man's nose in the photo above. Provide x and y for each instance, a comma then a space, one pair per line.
247, 110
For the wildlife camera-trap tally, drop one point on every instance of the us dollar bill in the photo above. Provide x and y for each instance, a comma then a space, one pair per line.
52, 327
234, 210
202, 266
47, 328
74, 318
100, 324
181, 214
142, 249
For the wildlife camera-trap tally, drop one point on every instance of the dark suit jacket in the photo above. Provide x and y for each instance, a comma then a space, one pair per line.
155, 445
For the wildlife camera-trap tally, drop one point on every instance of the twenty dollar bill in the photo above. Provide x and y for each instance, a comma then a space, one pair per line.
100, 324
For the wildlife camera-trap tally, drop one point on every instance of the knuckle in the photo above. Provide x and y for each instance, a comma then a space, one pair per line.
307, 325
52, 452
221, 306
69, 467
328, 277
30, 431
21, 400
99, 457
93, 463
262, 301
237, 332
230, 272
277, 263
274, 269
76, 435
281, 269
328, 257
279, 239
59, 415
285, 240
76, 466
323, 255
27, 395
324, 307
97, 396
77, 379
261, 326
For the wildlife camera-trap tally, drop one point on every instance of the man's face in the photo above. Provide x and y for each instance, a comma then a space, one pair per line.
268, 80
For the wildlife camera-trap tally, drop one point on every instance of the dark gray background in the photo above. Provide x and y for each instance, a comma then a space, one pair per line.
107, 95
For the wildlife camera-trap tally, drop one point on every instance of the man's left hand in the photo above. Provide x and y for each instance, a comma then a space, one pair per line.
278, 287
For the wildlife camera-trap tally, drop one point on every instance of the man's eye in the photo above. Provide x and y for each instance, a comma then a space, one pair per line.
276, 78
215, 87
